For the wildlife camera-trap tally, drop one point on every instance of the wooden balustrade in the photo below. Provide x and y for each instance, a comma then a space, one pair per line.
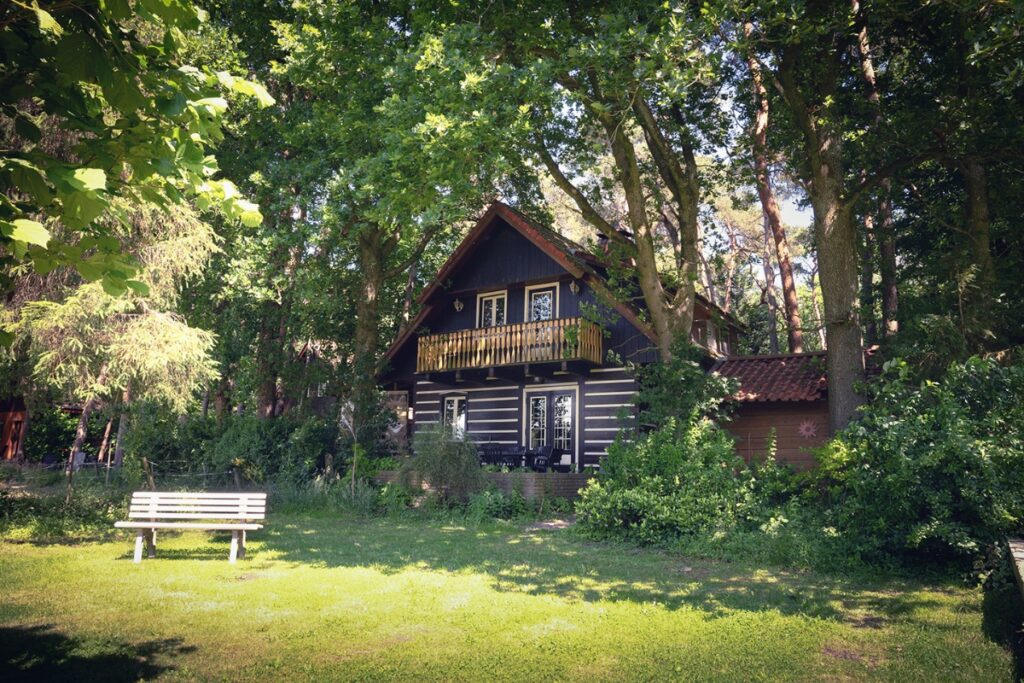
536, 342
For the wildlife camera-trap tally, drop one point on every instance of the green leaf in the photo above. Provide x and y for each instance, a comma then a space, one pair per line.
114, 286
140, 288
109, 244
250, 213
47, 24
89, 271
30, 179
30, 231
253, 89
6, 337
217, 104
173, 105
26, 128
90, 179
81, 208
118, 9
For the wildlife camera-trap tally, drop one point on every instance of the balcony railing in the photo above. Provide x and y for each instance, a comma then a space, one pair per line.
536, 342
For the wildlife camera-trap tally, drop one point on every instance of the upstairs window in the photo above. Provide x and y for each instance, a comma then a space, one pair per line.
491, 309
541, 302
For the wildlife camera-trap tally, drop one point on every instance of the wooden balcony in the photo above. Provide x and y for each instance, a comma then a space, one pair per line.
569, 339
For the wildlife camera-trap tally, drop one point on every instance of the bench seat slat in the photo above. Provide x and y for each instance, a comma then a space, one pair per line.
190, 494
200, 503
192, 515
194, 501
199, 506
212, 526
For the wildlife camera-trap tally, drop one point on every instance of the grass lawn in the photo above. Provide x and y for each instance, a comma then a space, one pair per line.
328, 598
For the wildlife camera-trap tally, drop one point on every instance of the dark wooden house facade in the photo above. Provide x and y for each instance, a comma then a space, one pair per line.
506, 348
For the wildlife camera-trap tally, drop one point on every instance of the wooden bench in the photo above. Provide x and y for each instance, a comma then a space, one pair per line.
234, 512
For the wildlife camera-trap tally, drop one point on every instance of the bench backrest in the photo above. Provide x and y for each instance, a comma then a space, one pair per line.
150, 505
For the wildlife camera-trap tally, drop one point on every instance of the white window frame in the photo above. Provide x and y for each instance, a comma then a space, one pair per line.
575, 388
492, 295
526, 299
529, 419
454, 429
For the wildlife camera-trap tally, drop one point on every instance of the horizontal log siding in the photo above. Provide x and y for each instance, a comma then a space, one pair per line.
492, 412
603, 393
752, 424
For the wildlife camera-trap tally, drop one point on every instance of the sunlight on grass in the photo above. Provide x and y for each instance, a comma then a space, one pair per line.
345, 599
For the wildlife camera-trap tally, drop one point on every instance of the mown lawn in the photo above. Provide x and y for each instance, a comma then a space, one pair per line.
328, 598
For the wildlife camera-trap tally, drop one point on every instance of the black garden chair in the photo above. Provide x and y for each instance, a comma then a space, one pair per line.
490, 453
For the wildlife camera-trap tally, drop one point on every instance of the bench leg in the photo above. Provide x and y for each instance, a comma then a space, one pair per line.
152, 543
138, 545
241, 546
234, 547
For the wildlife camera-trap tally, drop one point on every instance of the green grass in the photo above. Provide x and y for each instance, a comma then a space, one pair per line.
339, 599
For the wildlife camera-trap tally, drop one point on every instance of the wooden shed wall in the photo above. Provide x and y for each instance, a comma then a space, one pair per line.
752, 424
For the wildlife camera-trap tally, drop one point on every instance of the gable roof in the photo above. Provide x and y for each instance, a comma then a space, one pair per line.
571, 256
785, 377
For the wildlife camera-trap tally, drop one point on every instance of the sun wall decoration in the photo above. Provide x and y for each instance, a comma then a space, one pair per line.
808, 429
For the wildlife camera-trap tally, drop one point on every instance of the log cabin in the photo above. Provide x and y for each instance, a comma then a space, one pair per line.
520, 342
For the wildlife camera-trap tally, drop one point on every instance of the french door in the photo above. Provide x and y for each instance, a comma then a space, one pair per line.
551, 420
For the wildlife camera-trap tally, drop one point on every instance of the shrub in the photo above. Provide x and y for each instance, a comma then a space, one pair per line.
679, 389
451, 466
680, 479
933, 469
51, 432
256, 448
493, 504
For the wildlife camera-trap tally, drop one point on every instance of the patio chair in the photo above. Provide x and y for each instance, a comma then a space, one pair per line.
512, 457
490, 453
542, 458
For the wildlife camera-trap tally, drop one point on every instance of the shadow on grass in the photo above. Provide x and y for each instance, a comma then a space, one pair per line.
40, 653
557, 563
220, 551
1003, 622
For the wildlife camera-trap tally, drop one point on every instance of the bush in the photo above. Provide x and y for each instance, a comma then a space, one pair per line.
51, 431
934, 469
451, 466
46, 518
678, 480
493, 504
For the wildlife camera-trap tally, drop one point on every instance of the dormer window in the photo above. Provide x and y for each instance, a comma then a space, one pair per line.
491, 309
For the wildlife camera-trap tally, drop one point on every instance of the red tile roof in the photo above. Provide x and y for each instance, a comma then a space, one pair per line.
789, 377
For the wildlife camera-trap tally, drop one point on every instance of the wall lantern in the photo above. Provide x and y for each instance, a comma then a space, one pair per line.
574, 287
458, 305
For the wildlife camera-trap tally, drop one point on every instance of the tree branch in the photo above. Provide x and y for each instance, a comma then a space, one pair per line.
590, 214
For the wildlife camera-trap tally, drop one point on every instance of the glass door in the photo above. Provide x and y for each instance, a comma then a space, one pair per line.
552, 421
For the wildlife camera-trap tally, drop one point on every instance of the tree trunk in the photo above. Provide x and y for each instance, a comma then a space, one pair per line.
978, 233
122, 429
267, 357
81, 431
769, 289
867, 281
367, 331
19, 453
835, 234
105, 444
885, 238
769, 205
819, 320
887, 262
410, 289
